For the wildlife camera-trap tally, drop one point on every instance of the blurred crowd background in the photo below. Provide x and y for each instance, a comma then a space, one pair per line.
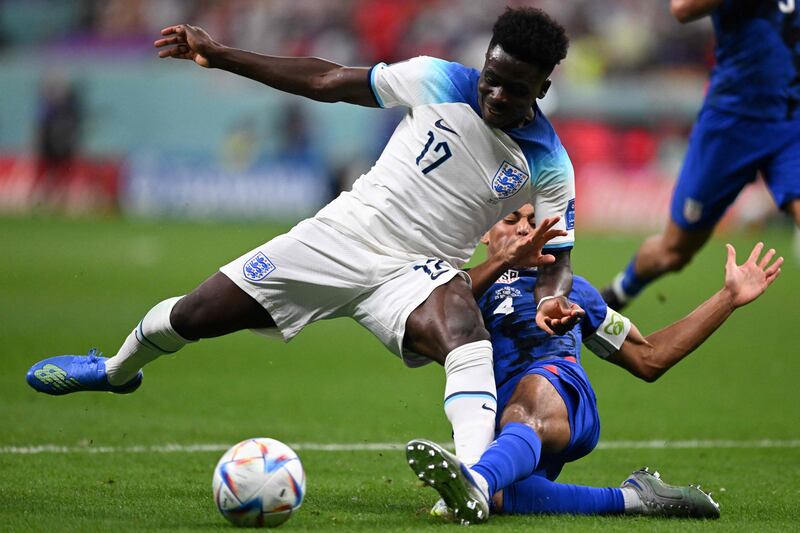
91, 120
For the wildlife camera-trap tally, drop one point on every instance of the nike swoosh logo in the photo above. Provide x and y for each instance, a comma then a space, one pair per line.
484, 406
442, 126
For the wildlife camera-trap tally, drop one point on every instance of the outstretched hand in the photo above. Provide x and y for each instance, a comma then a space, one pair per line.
558, 315
748, 281
525, 251
186, 42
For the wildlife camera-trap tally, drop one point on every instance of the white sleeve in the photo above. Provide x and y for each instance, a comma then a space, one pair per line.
609, 335
417, 81
554, 195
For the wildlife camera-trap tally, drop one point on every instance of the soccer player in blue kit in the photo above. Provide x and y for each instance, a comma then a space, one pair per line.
749, 123
547, 410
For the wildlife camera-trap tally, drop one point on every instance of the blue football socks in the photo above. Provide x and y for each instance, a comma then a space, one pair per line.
539, 495
511, 457
633, 284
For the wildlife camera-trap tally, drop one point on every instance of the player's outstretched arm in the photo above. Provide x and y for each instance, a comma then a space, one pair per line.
523, 251
648, 358
689, 10
311, 77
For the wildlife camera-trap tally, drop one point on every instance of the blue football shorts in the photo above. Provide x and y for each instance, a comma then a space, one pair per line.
571, 382
726, 152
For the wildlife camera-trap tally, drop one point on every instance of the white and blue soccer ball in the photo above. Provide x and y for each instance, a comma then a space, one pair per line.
259, 483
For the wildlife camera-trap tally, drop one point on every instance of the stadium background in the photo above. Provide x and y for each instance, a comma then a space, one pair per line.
125, 179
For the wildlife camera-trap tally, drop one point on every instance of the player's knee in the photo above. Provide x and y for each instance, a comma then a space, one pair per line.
188, 317
522, 414
675, 259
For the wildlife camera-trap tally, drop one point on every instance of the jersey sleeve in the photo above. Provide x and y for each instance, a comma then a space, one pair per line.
609, 335
554, 195
418, 81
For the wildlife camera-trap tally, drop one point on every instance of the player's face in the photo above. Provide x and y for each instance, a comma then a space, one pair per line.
508, 88
514, 225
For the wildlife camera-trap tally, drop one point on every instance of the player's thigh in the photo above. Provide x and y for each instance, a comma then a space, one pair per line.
723, 156
423, 313
536, 402
782, 174
218, 307
448, 318
311, 273
684, 242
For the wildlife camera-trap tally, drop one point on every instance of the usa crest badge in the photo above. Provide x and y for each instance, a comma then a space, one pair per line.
508, 180
258, 267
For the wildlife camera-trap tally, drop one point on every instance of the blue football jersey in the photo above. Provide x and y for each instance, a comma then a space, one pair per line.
509, 313
758, 58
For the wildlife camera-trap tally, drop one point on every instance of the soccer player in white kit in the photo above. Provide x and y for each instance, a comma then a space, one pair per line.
473, 147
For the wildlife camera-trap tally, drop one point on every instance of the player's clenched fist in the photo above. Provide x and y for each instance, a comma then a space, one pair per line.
187, 42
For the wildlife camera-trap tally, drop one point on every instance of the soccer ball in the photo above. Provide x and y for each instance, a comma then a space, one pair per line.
259, 482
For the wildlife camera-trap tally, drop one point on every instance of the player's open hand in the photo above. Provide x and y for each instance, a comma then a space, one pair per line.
747, 282
558, 315
187, 42
525, 251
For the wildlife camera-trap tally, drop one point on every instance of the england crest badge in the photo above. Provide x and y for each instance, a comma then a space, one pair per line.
258, 267
508, 180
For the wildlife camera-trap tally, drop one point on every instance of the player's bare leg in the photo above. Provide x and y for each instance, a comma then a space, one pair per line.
660, 254
448, 328
217, 307
793, 209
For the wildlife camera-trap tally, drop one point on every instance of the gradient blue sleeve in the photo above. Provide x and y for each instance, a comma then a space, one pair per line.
419, 81
554, 194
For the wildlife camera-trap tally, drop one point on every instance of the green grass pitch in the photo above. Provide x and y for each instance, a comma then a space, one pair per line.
68, 285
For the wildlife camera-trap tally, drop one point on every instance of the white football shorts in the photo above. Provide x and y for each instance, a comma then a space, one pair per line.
315, 272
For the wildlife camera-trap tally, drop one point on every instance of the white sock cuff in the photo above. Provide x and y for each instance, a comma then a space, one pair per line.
468, 355
469, 371
155, 329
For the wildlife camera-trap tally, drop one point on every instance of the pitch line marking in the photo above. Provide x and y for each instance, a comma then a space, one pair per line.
390, 446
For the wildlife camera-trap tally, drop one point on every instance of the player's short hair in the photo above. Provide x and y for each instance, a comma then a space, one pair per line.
530, 35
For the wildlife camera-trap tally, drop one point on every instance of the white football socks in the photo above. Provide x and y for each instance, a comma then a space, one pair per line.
633, 503
151, 338
470, 399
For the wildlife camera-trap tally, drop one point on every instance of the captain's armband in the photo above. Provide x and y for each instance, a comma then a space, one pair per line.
610, 335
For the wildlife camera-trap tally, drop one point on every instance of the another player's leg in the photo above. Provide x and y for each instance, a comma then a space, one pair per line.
534, 422
215, 308
642, 493
535, 419
725, 151
660, 254
793, 208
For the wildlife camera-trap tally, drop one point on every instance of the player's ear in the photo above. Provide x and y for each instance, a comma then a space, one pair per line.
485, 239
545, 88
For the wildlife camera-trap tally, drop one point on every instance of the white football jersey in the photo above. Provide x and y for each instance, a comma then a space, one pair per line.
445, 176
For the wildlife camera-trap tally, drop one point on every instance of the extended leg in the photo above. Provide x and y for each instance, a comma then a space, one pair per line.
669, 251
215, 308
642, 493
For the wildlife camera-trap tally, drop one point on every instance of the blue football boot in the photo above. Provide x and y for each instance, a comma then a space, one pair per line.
64, 374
